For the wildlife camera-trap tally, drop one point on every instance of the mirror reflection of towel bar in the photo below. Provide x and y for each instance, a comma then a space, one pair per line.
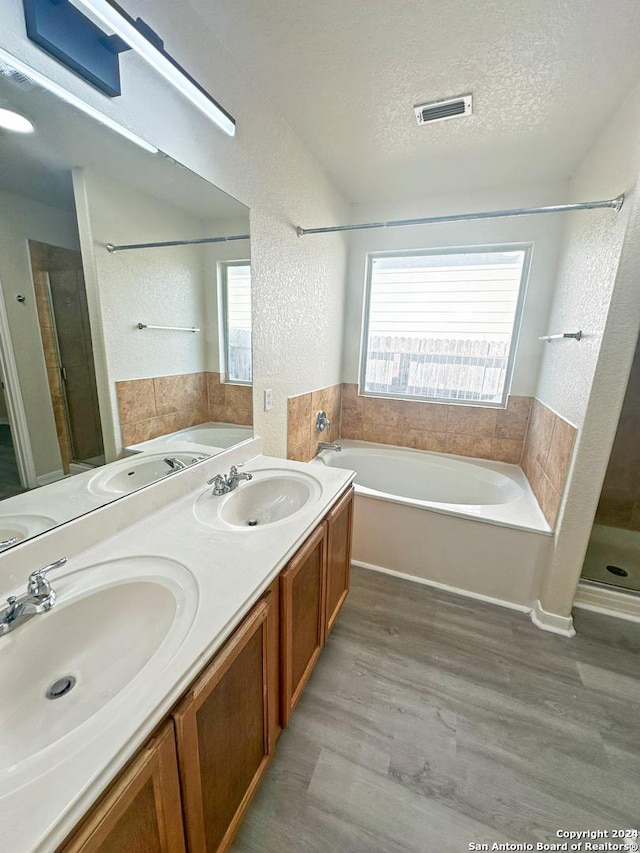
577, 336
169, 328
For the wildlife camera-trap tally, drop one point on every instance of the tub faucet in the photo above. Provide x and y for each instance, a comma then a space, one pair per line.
222, 485
329, 445
39, 598
174, 463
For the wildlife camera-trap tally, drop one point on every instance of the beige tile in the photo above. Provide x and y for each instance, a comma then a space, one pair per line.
549, 500
471, 420
381, 411
217, 412
239, 404
298, 416
215, 389
136, 400
352, 429
134, 433
304, 452
512, 422
381, 434
423, 416
352, 412
560, 451
539, 432
506, 450
422, 439
468, 445
326, 400
180, 392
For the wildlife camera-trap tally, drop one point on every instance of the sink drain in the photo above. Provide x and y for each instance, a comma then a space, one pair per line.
252, 522
61, 687
616, 570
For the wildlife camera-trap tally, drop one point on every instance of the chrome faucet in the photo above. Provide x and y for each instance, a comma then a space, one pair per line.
222, 485
329, 445
39, 598
174, 463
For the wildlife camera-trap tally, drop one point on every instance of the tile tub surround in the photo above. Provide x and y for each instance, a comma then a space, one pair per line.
302, 437
164, 404
546, 457
484, 433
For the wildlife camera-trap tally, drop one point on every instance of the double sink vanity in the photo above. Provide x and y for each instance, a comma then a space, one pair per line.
141, 711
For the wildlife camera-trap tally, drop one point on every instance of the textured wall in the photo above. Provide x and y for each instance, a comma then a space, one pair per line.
597, 292
543, 231
298, 284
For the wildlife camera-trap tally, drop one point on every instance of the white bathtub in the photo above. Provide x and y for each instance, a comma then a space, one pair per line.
469, 525
216, 436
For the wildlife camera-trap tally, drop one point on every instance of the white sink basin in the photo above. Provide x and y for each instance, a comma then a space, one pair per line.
273, 495
128, 475
23, 526
110, 622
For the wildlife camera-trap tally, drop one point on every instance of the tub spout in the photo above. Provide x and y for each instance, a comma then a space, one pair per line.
329, 445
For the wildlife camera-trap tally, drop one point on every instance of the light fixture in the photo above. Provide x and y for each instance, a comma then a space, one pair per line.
11, 120
135, 35
17, 66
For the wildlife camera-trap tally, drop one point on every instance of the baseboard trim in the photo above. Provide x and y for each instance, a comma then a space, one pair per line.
552, 622
610, 602
522, 608
51, 477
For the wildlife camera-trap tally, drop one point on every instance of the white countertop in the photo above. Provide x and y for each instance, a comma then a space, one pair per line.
41, 803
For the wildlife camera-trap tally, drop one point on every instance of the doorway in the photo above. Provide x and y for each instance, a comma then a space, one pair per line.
63, 317
613, 554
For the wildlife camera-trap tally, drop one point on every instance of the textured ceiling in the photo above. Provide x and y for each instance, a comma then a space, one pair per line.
545, 75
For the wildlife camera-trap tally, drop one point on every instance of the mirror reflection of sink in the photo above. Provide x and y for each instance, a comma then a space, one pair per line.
88, 648
22, 526
274, 494
122, 478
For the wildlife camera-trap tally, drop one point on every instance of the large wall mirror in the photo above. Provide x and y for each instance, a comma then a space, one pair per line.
107, 353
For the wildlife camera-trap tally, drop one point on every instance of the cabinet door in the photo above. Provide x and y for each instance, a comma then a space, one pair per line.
339, 527
302, 588
224, 736
141, 812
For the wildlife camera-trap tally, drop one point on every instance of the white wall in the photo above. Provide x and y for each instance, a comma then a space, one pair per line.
21, 220
298, 284
164, 287
215, 254
597, 291
543, 231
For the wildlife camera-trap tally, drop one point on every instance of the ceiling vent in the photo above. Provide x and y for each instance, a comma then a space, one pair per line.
443, 110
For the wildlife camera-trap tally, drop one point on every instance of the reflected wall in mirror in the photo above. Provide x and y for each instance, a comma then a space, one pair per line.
80, 380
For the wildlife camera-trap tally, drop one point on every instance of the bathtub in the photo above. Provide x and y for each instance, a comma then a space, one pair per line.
216, 436
468, 525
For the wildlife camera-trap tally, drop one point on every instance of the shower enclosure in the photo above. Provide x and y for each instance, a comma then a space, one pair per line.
63, 317
613, 555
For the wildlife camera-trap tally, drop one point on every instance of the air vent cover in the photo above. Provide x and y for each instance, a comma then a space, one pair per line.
443, 110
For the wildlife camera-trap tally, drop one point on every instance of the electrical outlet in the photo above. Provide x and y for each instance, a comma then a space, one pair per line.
268, 399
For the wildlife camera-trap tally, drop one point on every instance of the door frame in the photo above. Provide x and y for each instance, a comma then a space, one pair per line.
15, 405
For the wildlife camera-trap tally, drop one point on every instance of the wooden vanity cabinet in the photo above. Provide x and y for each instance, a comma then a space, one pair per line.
188, 788
141, 812
339, 527
302, 600
224, 733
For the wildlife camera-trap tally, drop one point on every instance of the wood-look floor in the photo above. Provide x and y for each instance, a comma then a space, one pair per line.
433, 721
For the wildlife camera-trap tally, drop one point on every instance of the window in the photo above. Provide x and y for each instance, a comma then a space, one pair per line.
443, 326
236, 302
